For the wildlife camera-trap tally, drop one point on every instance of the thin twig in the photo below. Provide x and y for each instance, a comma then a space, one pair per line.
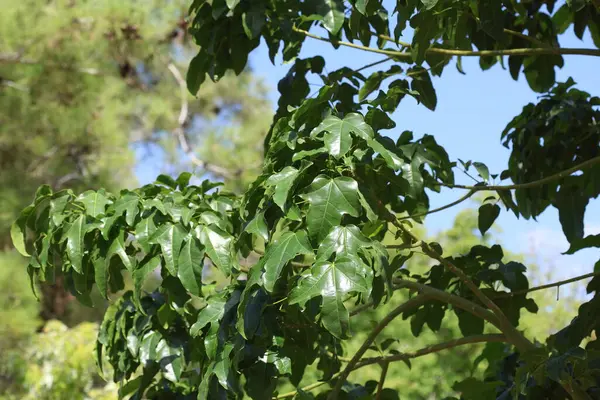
180, 133
374, 64
547, 286
465, 197
409, 305
528, 185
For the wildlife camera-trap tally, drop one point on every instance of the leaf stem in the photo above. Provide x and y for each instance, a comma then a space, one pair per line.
447, 206
546, 286
410, 304
529, 185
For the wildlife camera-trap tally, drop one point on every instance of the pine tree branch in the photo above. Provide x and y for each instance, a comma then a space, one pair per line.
409, 305
529, 185
179, 132
536, 51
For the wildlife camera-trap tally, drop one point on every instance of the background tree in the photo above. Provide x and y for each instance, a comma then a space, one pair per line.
332, 190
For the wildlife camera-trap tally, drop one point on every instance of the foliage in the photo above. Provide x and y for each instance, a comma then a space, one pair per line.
58, 365
85, 84
332, 192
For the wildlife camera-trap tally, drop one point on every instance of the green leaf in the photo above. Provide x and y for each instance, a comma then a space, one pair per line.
429, 4
191, 264
127, 204
101, 275
253, 22
282, 181
75, 243
487, 215
492, 18
332, 12
118, 247
411, 172
258, 226
170, 238
170, 360
474, 389
361, 6
210, 314
391, 159
374, 81
232, 4
17, 234
584, 243
338, 132
482, 170
141, 273
342, 240
421, 82
571, 202
333, 281
94, 201
329, 200
280, 252
218, 246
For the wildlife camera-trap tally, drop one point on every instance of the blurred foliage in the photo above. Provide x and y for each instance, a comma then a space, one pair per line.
84, 85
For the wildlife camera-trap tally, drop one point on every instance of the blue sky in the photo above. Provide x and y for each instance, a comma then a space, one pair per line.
471, 113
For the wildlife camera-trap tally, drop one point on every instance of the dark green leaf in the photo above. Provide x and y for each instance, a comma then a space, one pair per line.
218, 246
487, 215
280, 252
332, 12
210, 314
342, 240
338, 132
258, 226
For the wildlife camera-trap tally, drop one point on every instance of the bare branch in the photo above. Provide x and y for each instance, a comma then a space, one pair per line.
179, 132
410, 304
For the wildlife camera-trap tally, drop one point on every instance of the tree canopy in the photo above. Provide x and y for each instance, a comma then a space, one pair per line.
333, 217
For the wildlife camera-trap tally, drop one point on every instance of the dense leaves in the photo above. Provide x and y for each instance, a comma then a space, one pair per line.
310, 238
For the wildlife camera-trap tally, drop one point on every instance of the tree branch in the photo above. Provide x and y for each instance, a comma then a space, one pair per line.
406, 356
410, 304
384, 370
179, 132
505, 326
536, 51
529, 185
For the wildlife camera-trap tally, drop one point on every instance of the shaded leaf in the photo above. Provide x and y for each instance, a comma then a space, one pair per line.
280, 252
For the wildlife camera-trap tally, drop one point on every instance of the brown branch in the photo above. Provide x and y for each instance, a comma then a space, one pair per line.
529, 185
410, 304
505, 326
406, 356
384, 370
179, 132
464, 53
